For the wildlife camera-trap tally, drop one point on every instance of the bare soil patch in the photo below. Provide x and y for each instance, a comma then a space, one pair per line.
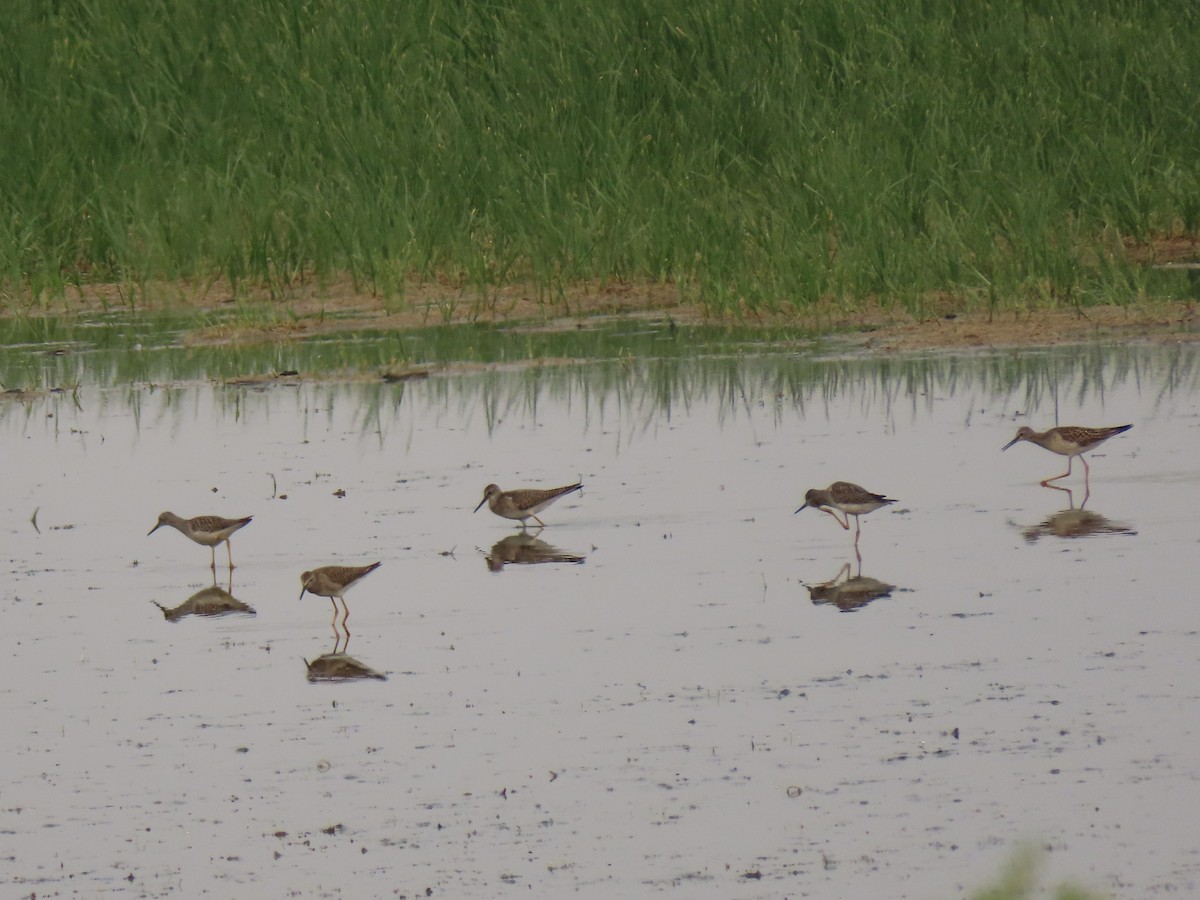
1034, 327
338, 306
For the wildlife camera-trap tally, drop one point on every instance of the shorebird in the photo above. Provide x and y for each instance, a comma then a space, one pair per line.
334, 581
849, 499
206, 530
523, 503
1069, 441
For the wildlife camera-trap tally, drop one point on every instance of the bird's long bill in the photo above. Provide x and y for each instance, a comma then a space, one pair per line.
1010, 443
302, 591
481, 502
805, 506
154, 529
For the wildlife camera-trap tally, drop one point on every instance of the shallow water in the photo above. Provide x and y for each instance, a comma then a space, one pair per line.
657, 694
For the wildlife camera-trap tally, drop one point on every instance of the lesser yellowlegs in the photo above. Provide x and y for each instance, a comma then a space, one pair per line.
849, 499
523, 503
334, 581
1069, 441
206, 530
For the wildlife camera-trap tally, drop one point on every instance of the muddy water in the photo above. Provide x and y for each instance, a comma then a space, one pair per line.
678, 687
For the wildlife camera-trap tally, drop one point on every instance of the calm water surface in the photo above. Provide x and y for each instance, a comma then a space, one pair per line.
677, 688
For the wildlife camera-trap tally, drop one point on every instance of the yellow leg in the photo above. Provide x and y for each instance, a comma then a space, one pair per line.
1064, 474
845, 525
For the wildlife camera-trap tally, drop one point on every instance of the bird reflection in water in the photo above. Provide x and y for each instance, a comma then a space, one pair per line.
339, 665
210, 601
526, 548
1074, 522
849, 593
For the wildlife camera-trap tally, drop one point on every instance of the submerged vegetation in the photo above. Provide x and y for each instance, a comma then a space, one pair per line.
637, 372
748, 154
1019, 881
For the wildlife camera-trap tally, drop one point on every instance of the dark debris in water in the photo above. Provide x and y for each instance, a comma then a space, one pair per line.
404, 375
288, 376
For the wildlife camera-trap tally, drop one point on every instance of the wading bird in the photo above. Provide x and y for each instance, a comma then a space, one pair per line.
847, 498
206, 530
1069, 441
334, 581
523, 503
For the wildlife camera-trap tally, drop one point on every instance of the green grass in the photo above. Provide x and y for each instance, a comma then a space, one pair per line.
764, 153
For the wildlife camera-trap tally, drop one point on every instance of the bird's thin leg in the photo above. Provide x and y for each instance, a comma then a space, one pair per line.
228, 550
333, 621
541, 524
845, 525
213, 548
857, 556
857, 529
345, 615
1063, 475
